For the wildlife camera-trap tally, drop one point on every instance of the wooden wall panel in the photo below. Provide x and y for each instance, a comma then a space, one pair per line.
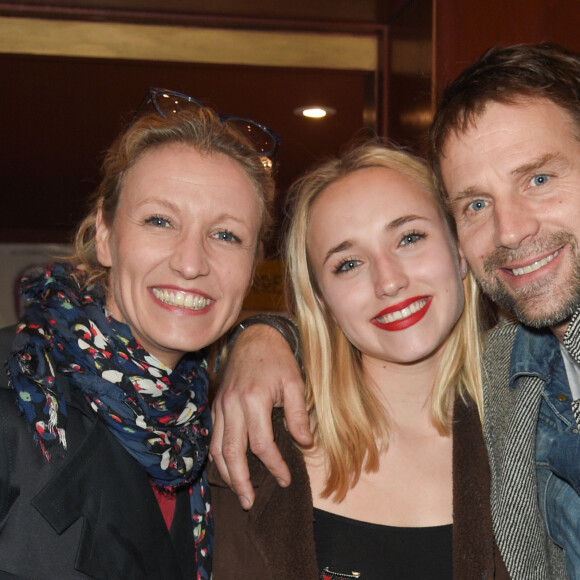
463, 30
408, 90
60, 114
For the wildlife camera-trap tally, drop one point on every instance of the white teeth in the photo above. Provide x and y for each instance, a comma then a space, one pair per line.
535, 266
182, 299
400, 314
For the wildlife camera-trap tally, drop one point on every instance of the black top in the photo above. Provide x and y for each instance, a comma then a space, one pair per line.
345, 547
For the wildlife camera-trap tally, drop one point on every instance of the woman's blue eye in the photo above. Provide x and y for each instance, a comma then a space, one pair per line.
347, 265
541, 179
477, 205
158, 221
411, 239
226, 236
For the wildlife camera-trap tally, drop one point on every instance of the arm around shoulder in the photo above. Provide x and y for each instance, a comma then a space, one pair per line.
261, 372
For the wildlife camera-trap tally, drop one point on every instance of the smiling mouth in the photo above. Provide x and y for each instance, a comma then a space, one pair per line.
535, 266
403, 313
181, 299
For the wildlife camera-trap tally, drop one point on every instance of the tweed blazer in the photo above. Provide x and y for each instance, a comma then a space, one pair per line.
510, 424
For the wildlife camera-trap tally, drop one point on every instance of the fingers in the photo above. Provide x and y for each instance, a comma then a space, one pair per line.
215, 448
261, 373
235, 420
261, 439
228, 449
295, 413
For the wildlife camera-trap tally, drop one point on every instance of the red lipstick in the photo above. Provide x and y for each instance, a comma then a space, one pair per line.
406, 321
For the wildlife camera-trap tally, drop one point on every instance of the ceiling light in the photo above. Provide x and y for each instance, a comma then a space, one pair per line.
314, 112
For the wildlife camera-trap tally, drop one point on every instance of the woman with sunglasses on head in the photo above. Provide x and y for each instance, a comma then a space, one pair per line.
396, 484
104, 412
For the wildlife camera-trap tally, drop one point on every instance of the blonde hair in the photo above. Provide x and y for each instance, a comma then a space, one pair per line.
198, 128
348, 420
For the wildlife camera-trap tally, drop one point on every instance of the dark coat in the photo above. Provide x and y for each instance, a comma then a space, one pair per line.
91, 513
275, 539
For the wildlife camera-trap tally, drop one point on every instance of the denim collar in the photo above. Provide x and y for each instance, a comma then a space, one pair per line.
534, 353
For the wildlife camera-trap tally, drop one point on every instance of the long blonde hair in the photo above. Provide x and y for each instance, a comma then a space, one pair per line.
348, 420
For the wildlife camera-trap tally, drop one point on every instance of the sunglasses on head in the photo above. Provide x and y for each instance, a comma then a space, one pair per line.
263, 141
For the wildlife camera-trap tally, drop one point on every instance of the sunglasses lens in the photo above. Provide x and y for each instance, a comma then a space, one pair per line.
262, 142
168, 104
259, 139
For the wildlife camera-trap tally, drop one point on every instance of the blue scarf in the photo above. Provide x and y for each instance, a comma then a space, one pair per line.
161, 417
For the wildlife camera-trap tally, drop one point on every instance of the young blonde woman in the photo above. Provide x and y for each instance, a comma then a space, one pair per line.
396, 484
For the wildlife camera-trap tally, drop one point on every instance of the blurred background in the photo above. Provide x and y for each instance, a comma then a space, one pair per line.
73, 71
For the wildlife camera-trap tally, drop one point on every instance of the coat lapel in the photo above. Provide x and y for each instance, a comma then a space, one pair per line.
106, 488
475, 554
516, 472
510, 431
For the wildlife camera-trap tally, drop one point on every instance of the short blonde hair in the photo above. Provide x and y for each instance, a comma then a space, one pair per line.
348, 420
199, 128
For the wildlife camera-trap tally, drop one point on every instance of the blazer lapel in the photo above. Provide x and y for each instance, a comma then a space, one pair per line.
514, 473
102, 484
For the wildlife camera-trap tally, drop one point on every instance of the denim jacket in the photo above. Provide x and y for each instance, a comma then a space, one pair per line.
537, 353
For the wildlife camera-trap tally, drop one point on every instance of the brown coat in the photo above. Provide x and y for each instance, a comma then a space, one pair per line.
275, 539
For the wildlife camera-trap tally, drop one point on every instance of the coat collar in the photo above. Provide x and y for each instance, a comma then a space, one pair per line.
572, 336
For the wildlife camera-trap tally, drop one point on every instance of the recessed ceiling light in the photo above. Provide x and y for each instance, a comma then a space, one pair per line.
314, 112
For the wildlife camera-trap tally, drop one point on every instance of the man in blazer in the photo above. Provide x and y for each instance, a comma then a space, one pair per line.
505, 150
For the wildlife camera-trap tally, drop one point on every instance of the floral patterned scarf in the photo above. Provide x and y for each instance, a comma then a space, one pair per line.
161, 417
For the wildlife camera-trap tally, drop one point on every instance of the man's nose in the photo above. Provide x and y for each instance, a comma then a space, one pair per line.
515, 221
